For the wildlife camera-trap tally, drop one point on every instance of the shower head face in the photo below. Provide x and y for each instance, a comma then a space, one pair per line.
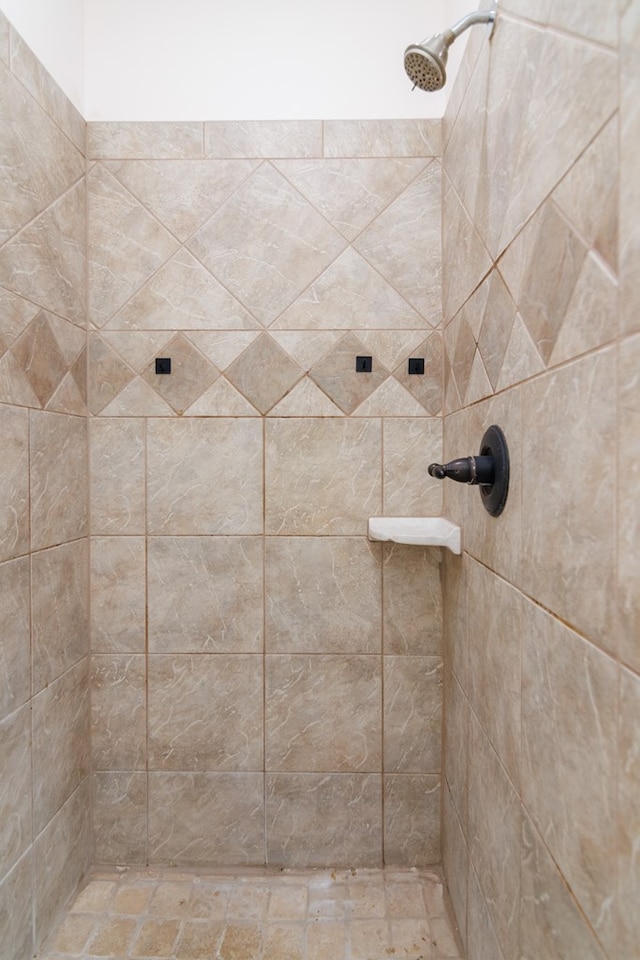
425, 68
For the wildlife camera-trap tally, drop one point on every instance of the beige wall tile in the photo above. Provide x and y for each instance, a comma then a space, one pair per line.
263, 138
568, 758
15, 651
59, 610
628, 815
204, 477
149, 140
412, 714
215, 720
118, 594
117, 465
205, 594
412, 601
322, 595
481, 932
14, 483
118, 712
221, 821
412, 820
455, 860
15, 788
59, 479
322, 476
629, 189
323, 713
628, 520
456, 744
317, 819
410, 445
16, 920
120, 817
381, 138
61, 742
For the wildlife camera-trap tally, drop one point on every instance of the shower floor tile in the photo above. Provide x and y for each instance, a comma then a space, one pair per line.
149, 914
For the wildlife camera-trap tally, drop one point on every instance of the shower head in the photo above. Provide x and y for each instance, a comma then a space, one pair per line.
425, 62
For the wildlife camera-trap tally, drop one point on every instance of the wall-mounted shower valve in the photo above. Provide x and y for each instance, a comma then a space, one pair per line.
489, 470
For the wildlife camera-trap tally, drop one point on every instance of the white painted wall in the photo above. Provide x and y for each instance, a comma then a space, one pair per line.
54, 29
236, 59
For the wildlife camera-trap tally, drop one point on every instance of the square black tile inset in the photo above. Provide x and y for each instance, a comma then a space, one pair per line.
416, 365
364, 364
163, 364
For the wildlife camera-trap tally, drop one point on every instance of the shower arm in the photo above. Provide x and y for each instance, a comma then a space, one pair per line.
480, 16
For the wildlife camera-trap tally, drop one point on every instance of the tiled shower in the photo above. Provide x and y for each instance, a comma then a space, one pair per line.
205, 662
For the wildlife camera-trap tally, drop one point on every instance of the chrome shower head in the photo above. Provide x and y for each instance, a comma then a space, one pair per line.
425, 62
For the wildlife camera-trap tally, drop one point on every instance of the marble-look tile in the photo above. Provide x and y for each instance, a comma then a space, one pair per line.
350, 294
412, 714
410, 445
33, 179
629, 237
61, 742
324, 820
404, 244
221, 821
381, 138
205, 594
499, 612
568, 539
412, 820
59, 610
494, 838
390, 400
5, 37
455, 737
15, 650
455, 859
118, 712
596, 20
263, 373
551, 923
120, 817
182, 295
16, 910
305, 400
628, 815
323, 713
15, 315
427, 389
337, 376
108, 374
191, 374
591, 315
38, 356
14, 482
180, 193
118, 594
125, 245
43, 88
45, 262
455, 619
138, 399
412, 601
59, 478
204, 476
628, 515
205, 712
481, 932
116, 473
322, 595
350, 193
266, 244
15, 788
569, 759
461, 247
263, 138
62, 855
145, 140
322, 476
222, 400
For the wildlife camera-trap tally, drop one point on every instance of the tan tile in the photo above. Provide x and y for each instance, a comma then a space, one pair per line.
412, 714
240, 942
369, 938
108, 374
153, 140
95, 897
628, 819
264, 373
16, 787
263, 138
248, 903
288, 903
73, 934
117, 594
412, 819
427, 388
112, 937
191, 374
14, 483
16, 910
284, 942
366, 900
59, 478
118, 711
412, 937
326, 940
209, 900
156, 938
412, 601
117, 452
337, 376
322, 595
37, 354
404, 900
131, 898
15, 653
410, 445
120, 816
381, 138
198, 940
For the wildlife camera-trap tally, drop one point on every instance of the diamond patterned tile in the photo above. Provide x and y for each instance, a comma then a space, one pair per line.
36, 353
336, 374
266, 244
191, 374
427, 388
264, 373
108, 374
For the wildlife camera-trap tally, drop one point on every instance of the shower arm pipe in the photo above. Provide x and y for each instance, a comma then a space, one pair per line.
480, 16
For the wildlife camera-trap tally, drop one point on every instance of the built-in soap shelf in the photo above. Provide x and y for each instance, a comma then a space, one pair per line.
420, 531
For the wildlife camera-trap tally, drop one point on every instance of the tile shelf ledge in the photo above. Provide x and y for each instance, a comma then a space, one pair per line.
420, 531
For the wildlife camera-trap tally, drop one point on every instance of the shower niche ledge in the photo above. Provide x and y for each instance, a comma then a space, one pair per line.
419, 531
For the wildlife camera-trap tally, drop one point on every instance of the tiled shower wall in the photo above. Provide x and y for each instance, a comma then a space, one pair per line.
45, 838
266, 683
542, 623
